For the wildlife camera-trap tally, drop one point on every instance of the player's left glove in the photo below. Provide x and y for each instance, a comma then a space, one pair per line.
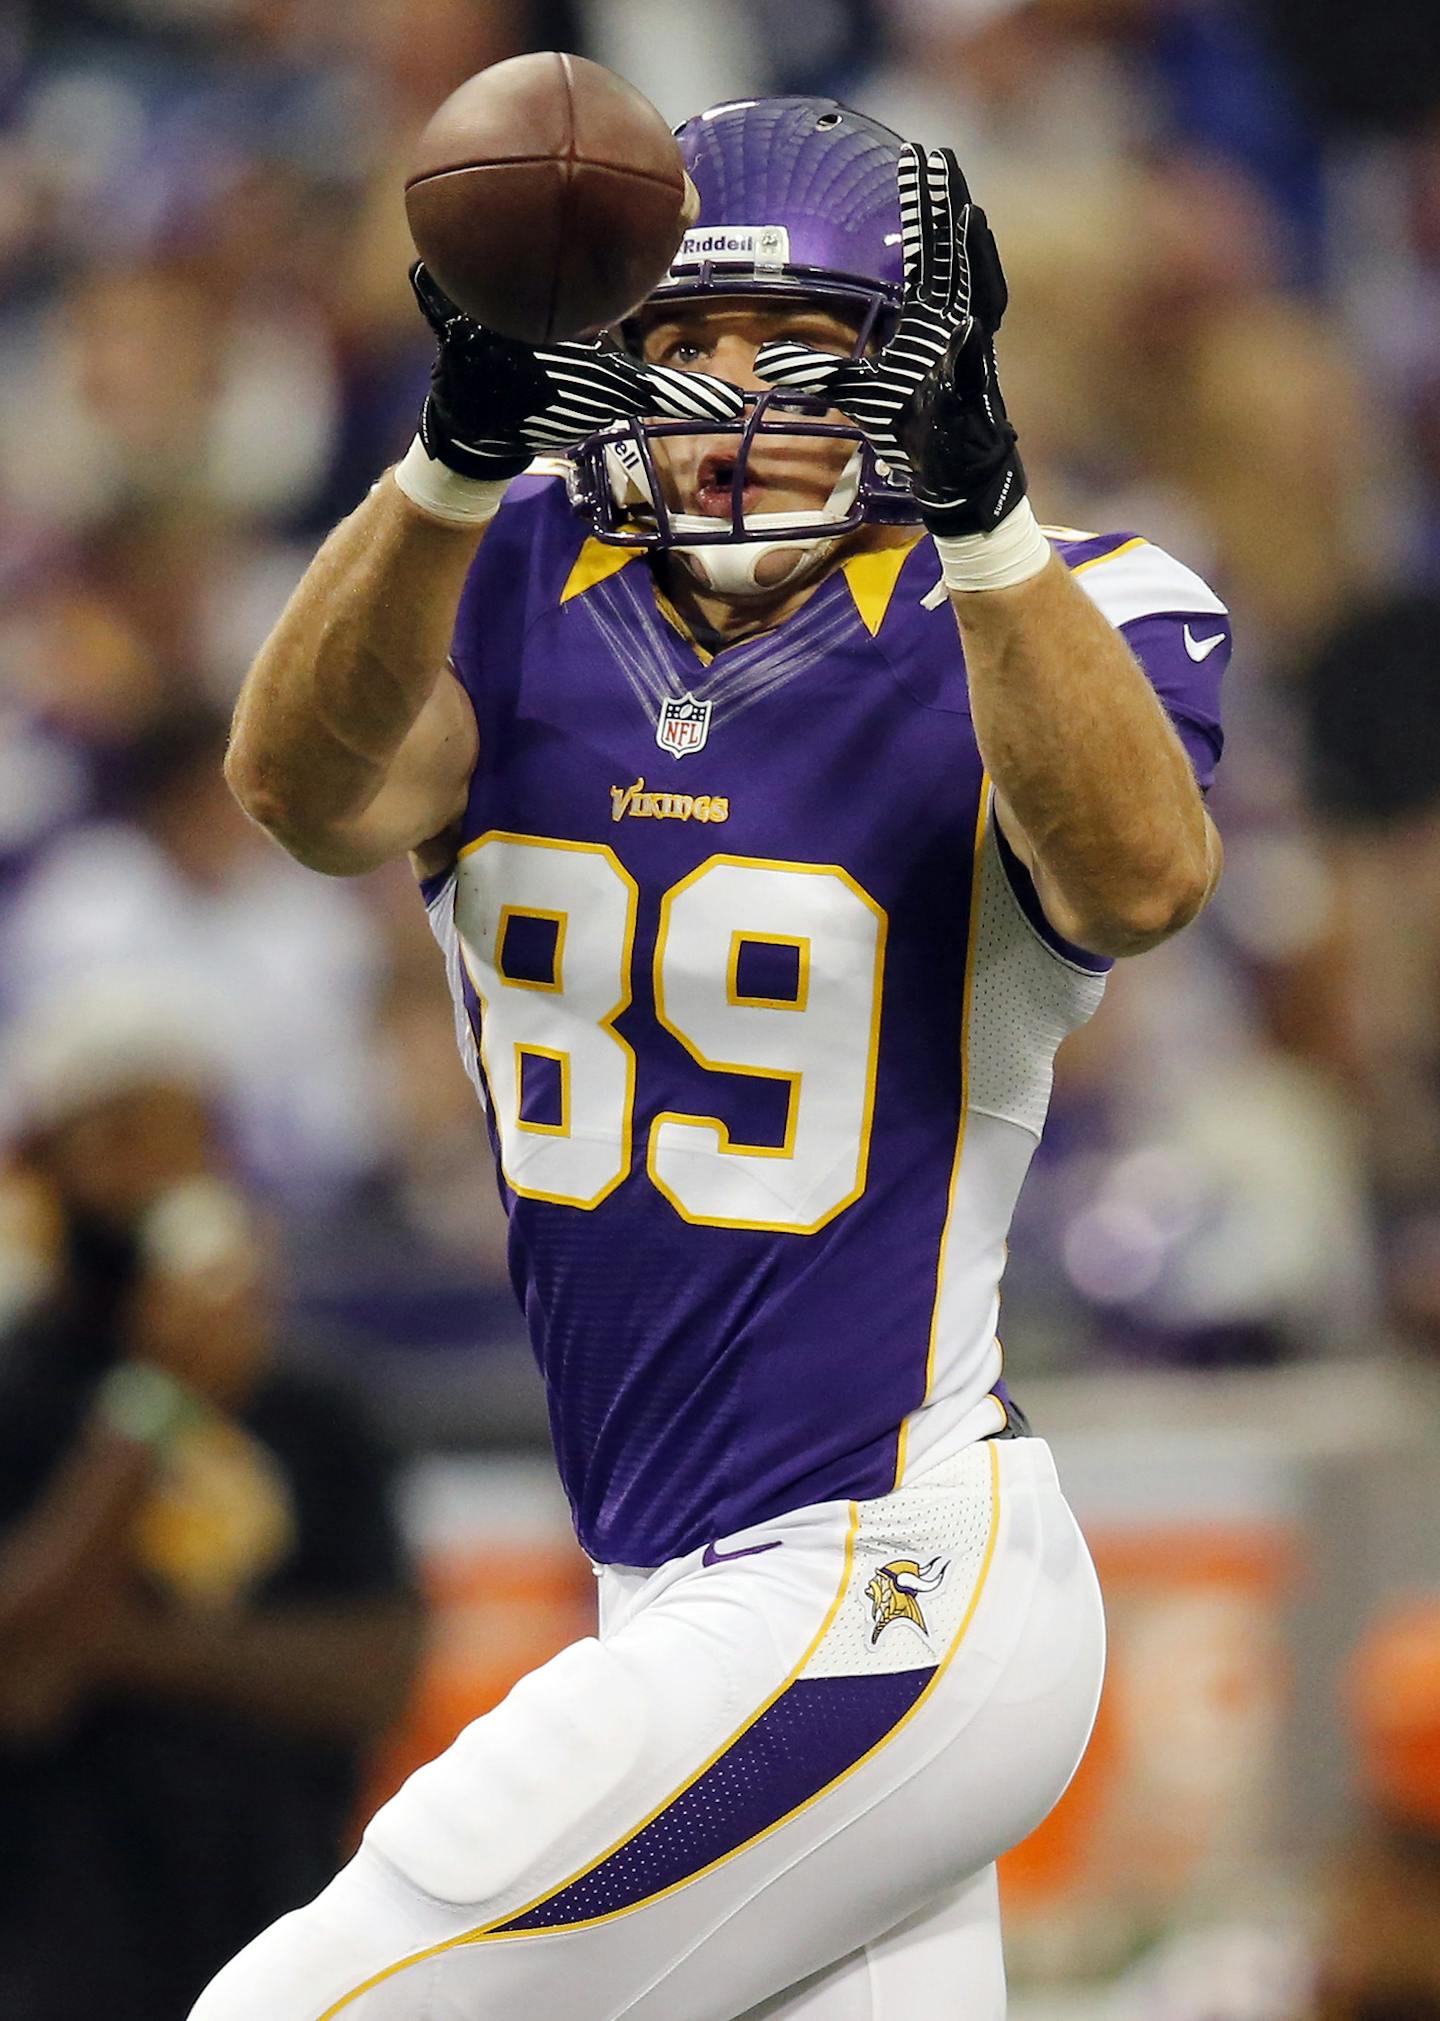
930, 401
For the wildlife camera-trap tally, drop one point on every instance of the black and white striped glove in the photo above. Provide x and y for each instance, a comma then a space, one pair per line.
494, 403
930, 402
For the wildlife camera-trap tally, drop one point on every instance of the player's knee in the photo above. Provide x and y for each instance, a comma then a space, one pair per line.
517, 1784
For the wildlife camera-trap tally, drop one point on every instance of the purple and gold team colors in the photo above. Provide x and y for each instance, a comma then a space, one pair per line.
762, 1010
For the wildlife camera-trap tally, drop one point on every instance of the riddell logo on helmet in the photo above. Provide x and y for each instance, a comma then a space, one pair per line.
747, 245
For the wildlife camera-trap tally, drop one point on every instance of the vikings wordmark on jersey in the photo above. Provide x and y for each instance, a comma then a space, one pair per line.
761, 1131
639, 805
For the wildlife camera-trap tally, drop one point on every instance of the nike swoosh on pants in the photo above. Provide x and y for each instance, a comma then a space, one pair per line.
715, 1556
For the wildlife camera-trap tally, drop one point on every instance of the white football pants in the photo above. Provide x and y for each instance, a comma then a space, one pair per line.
775, 1786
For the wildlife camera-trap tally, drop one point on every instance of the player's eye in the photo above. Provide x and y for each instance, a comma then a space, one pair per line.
684, 351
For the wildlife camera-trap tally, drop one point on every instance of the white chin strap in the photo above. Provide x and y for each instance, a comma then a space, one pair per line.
736, 571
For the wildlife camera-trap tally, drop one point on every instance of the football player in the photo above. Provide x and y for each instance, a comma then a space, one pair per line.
780, 791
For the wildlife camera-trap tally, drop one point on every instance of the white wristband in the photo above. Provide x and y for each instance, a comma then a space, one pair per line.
1015, 551
443, 493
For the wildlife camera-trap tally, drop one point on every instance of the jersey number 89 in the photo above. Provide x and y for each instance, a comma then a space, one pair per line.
562, 1079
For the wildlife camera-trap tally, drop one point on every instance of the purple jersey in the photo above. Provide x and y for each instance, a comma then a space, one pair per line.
762, 1011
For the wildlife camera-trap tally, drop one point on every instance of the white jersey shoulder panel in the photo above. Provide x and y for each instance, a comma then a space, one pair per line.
1140, 580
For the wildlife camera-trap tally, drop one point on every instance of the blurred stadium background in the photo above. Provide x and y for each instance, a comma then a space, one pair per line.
1221, 221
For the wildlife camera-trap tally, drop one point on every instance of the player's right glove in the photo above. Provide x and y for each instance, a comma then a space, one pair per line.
494, 404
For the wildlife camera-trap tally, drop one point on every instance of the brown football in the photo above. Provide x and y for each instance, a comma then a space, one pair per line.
547, 196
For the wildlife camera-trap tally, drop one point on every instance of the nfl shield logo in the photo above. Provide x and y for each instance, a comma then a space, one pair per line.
683, 726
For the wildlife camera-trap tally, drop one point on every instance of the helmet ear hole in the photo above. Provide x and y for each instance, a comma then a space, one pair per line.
828, 119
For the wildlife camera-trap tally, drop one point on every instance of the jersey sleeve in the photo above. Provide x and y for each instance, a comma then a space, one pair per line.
1179, 631
520, 570
1176, 626
1185, 663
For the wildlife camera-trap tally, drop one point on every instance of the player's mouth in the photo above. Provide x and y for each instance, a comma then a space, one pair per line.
714, 487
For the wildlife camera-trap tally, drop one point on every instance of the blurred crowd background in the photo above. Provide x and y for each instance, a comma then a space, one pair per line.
1221, 225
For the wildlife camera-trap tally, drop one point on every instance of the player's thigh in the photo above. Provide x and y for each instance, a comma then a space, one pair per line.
944, 1963
569, 1765
534, 1864
971, 1775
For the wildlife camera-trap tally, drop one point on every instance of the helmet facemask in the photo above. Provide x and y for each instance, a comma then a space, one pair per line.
616, 478
798, 207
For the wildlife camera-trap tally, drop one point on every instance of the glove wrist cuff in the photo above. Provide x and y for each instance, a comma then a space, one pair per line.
1012, 553
443, 494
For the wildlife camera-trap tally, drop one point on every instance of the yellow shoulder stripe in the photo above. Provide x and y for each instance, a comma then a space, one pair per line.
872, 576
1125, 547
596, 560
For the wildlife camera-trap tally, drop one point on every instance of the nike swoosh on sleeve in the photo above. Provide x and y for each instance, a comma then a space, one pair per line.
1200, 649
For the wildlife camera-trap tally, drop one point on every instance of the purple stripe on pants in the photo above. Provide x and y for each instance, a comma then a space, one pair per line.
814, 1731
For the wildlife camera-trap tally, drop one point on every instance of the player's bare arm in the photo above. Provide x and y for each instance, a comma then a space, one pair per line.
1094, 789
1093, 786
352, 743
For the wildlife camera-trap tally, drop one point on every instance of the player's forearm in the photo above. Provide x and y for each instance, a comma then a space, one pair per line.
1080, 748
348, 668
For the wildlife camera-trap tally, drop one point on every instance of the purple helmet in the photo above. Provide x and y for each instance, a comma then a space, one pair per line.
797, 196
798, 199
